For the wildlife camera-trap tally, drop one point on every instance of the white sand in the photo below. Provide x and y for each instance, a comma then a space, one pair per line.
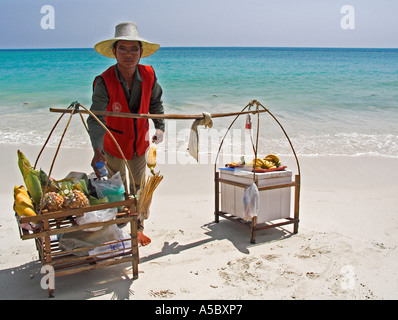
346, 247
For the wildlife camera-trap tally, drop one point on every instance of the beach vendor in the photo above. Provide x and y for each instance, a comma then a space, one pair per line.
126, 86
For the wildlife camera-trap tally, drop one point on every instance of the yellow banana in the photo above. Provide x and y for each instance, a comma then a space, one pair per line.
20, 189
23, 204
259, 163
20, 198
24, 211
274, 158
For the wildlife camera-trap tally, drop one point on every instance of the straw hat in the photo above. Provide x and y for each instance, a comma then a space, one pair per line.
126, 31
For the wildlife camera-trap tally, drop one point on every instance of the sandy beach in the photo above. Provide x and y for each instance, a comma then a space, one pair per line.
346, 247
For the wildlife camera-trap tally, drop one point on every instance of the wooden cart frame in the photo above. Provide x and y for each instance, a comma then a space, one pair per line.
53, 224
252, 225
50, 225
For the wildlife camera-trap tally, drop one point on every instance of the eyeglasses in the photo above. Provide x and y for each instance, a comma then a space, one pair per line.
124, 50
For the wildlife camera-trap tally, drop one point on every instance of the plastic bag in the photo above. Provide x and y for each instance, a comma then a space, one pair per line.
80, 239
110, 246
250, 202
96, 216
112, 189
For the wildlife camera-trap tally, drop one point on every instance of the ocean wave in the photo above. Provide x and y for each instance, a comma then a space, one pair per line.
340, 144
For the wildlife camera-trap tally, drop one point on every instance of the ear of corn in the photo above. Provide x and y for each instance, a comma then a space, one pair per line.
31, 178
151, 158
33, 185
24, 164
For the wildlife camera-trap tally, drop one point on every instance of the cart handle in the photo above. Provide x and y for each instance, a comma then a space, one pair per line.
73, 108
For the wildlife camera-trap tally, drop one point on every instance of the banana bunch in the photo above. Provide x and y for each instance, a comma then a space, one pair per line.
23, 204
259, 163
271, 161
31, 178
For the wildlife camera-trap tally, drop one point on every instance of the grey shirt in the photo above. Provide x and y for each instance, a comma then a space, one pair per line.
101, 100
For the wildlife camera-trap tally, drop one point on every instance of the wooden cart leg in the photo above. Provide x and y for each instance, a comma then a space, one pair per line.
217, 200
253, 230
134, 247
296, 203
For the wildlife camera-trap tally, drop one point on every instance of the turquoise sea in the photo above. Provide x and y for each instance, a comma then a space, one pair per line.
329, 101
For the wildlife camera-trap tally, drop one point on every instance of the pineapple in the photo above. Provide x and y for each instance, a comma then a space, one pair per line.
52, 201
75, 199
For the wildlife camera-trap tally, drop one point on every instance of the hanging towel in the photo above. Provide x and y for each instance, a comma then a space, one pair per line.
193, 147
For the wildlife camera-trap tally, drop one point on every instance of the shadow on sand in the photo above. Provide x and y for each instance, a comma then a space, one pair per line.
25, 281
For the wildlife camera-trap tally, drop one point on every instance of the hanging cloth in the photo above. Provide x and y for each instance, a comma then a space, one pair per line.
193, 146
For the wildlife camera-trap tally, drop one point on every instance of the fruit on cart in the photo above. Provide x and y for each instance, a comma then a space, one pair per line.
24, 211
23, 204
75, 199
259, 163
23, 199
33, 185
31, 178
20, 190
52, 201
272, 158
271, 161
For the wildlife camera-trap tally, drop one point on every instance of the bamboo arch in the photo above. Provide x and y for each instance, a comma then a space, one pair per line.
259, 108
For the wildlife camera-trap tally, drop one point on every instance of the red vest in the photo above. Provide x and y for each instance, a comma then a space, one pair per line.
131, 134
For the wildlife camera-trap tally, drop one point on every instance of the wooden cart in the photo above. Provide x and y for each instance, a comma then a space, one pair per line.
295, 183
48, 226
54, 224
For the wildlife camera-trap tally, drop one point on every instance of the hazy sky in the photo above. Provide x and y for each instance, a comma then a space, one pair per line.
268, 23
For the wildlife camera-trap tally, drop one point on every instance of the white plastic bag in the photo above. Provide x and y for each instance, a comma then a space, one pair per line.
96, 216
109, 246
250, 202
81, 240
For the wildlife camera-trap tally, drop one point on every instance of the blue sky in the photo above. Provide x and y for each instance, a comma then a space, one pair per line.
268, 23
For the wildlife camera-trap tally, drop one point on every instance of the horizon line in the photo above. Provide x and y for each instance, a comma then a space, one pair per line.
193, 47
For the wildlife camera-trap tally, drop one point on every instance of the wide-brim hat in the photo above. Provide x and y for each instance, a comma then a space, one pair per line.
126, 31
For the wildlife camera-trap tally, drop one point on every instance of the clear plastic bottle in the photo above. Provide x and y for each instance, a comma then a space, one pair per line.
102, 169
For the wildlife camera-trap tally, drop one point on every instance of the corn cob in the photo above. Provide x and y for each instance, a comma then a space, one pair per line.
151, 158
31, 178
